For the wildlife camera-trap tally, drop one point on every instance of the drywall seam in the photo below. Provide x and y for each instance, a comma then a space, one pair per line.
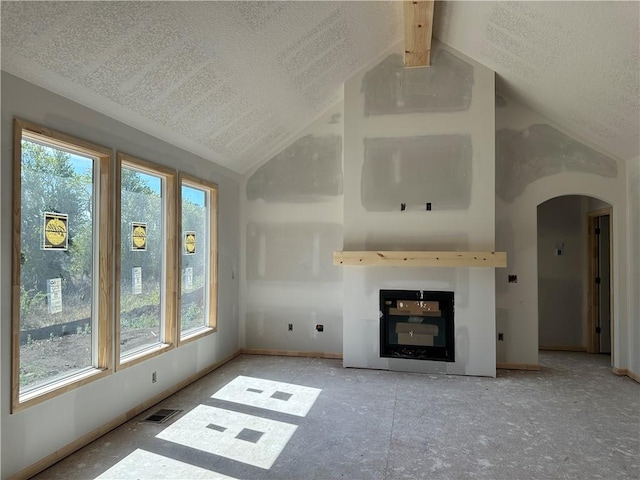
538, 151
417, 170
308, 170
269, 154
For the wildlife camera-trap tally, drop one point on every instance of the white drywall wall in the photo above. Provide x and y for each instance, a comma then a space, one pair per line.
562, 272
550, 169
292, 224
633, 199
31, 434
388, 112
2, 285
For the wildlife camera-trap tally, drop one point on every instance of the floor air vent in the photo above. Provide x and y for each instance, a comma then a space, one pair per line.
162, 415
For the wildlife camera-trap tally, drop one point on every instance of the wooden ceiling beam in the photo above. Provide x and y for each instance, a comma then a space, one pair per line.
418, 27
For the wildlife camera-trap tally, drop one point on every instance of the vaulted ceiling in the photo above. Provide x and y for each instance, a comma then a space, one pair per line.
234, 82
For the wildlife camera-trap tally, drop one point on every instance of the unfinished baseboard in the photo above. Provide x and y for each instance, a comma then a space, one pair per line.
518, 366
563, 348
86, 439
626, 372
291, 353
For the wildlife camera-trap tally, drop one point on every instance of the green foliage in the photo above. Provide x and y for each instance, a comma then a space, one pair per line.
194, 218
84, 329
192, 316
140, 203
140, 311
129, 302
53, 180
50, 184
31, 300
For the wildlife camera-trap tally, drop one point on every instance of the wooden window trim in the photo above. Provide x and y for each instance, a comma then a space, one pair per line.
107, 353
212, 326
170, 330
104, 157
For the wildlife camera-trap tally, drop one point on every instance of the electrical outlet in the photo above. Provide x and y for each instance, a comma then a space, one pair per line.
501, 337
320, 328
291, 327
428, 206
154, 377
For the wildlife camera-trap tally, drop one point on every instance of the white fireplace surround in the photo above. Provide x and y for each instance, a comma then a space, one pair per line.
474, 297
458, 150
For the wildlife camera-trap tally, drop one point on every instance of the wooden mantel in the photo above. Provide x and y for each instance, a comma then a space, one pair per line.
421, 259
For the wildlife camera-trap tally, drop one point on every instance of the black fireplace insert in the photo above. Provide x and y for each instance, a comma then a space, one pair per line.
417, 324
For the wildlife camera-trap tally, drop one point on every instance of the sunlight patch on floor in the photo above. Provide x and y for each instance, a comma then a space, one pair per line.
244, 438
277, 396
143, 465
252, 440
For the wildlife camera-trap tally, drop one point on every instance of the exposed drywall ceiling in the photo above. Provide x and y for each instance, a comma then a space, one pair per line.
230, 81
577, 63
234, 82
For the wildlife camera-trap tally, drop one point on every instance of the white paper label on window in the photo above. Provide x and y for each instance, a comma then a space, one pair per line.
136, 280
54, 295
188, 278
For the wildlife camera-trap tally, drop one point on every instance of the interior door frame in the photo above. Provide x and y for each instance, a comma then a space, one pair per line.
593, 345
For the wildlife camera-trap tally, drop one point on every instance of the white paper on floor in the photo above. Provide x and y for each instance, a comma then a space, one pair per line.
245, 438
276, 396
144, 465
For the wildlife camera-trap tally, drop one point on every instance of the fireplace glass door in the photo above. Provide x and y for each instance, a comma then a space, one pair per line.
417, 324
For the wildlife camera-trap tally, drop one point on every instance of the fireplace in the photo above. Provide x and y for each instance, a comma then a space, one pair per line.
417, 324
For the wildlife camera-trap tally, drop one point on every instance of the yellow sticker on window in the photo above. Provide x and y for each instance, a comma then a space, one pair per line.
55, 232
189, 243
138, 236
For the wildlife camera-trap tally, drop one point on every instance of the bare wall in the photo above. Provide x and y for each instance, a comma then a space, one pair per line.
40, 430
592, 174
292, 224
633, 199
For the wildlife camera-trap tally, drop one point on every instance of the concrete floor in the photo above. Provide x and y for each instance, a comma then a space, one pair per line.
573, 419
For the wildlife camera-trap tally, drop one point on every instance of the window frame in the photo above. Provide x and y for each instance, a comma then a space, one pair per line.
169, 256
212, 318
103, 224
107, 262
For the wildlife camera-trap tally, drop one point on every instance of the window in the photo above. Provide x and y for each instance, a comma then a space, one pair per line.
198, 257
61, 263
145, 292
69, 295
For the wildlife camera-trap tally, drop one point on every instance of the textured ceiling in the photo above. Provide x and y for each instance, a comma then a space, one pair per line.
235, 81
230, 81
577, 63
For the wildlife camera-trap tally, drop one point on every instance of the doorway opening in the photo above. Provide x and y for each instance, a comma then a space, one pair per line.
575, 308
600, 306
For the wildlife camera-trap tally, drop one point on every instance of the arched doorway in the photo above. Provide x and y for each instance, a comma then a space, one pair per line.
574, 274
